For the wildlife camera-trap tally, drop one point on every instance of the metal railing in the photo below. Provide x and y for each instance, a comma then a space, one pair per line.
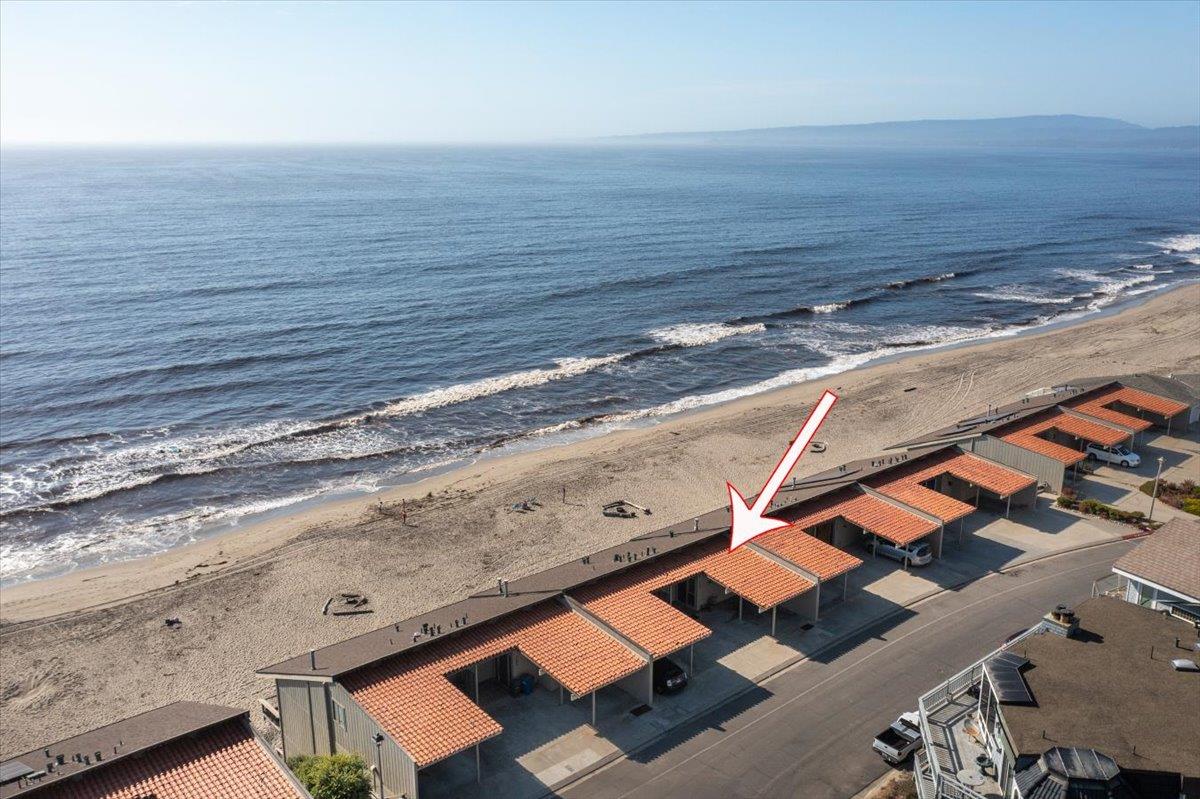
1110, 585
945, 784
923, 775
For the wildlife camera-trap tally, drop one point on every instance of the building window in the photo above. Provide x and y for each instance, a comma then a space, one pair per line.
339, 715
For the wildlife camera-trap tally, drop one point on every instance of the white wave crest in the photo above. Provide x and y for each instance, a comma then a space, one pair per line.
92, 471
829, 307
119, 540
1086, 275
1143, 267
700, 334
1113, 290
1022, 294
1187, 242
464, 392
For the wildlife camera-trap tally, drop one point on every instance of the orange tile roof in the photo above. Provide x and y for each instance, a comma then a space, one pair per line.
411, 699
627, 603
222, 762
1143, 400
758, 579
873, 515
1025, 434
994, 477
645, 619
904, 484
811, 554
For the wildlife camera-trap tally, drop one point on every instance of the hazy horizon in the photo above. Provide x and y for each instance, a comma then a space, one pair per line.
164, 74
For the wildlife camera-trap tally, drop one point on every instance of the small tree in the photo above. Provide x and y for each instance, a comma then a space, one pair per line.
333, 776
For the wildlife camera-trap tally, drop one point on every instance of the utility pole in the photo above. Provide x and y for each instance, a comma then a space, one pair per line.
1154, 496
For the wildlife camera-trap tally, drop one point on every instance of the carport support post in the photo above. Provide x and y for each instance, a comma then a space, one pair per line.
593, 708
1007, 506
478, 767
845, 585
692, 659
773, 609
739, 607
477, 683
960, 530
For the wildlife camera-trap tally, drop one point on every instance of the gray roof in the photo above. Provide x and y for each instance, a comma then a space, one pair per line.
1170, 557
1112, 688
354, 653
1069, 773
1181, 387
125, 738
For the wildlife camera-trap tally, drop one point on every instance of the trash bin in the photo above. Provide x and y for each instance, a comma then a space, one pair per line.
526, 681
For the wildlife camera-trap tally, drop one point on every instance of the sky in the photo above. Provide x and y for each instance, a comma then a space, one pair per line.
231, 72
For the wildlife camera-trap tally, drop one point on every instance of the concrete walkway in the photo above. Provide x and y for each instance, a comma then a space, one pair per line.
1120, 487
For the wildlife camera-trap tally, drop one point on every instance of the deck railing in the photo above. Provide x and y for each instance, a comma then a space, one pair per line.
945, 784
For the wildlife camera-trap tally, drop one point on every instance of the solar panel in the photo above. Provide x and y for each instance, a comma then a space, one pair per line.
1004, 671
13, 770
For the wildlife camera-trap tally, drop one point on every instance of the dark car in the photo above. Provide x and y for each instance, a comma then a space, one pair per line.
668, 677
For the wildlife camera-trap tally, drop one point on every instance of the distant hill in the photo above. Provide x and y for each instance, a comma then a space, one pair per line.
1031, 131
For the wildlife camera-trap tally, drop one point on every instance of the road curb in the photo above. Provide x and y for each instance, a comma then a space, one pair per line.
552, 790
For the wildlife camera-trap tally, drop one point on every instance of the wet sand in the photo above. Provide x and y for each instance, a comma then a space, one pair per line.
87, 648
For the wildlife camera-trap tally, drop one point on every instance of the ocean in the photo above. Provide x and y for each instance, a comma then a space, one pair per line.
190, 338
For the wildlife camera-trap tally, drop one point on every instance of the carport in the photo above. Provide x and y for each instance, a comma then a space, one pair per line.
815, 559
414, 702
949, 485
1062, 436
1133, 409
631, 608
869, 512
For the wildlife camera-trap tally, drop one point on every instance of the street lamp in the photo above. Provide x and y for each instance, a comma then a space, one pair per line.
1154, 496
379, 761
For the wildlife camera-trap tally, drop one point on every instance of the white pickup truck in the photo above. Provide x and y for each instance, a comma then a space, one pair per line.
900, 740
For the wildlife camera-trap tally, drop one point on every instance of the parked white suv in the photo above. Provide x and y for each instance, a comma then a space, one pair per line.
1119, 454
917, 554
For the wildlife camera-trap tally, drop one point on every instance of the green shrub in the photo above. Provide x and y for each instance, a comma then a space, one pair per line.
1095, 507
333, 776
1177, 495
1191, 506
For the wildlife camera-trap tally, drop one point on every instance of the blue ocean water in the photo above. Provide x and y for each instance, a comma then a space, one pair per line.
190, 336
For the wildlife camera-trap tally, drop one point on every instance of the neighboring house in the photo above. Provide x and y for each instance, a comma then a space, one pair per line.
185, 750
1089, 703
1164, 570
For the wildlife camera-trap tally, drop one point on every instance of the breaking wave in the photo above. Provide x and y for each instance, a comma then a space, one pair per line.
699, 334
1186, 242
1022, 294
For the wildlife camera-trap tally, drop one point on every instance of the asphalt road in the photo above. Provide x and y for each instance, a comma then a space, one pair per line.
807, 732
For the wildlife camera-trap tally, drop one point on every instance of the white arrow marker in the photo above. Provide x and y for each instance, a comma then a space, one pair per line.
748, 522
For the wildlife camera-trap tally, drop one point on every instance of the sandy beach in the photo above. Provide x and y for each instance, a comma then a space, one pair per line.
86, 648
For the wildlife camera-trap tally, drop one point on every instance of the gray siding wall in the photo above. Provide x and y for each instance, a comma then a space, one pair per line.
358, 737
844, 533
639, 685
303, 717
1046, 470
709, 591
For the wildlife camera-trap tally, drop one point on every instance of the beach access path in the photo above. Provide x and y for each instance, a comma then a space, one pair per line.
78, 651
